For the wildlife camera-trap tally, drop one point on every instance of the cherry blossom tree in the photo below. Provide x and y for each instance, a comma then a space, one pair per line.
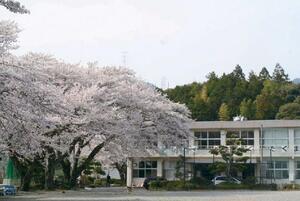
53, 112
68, 112
116, 108
8, 36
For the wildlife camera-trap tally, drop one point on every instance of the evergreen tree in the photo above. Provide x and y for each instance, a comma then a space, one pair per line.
255, 85
247, 109
224, 112
233, 157
264, 74
203, 93
238, 72
289, 111
266, 94
212, 76
279, 74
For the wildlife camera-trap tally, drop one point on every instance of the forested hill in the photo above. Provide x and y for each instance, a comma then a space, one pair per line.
257, 96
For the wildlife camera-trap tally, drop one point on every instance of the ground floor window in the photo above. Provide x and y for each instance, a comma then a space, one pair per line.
143, 169
297, 169
278, 170
169, 170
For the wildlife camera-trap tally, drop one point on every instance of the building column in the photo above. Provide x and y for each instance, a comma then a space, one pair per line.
291, 143
159, 167
223, 137
129, 173
291, 170
256, 141
257, 170
191, 138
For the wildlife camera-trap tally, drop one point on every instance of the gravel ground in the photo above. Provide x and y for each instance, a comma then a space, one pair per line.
121, 194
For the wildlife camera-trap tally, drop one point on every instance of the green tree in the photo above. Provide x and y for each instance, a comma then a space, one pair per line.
224, 112
238, 72
289, 111
267, 95
279, 75
255, 85
264, 107
271, 98
247, 109
264, 74
297, 100
232, 155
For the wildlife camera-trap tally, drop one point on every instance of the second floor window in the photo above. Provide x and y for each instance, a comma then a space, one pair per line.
246, 137
207, 139
275, 137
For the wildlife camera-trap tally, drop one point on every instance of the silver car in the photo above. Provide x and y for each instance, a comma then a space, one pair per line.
220, 179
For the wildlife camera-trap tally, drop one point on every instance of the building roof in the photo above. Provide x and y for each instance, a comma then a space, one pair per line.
244, 124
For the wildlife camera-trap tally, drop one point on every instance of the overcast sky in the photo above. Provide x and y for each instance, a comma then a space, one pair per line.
178, 41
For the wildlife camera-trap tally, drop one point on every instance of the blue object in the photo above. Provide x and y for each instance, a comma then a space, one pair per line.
7, 189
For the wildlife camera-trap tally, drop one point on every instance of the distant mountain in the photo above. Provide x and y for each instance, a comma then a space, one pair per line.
296, 81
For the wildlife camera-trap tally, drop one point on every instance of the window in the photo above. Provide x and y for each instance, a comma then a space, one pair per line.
297, 139
169, 169
275, 137
297, 169
246, 136
144, 169
207, 139
278, 170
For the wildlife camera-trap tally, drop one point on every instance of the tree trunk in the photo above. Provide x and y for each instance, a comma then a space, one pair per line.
26, 180
50, 160
25, 171
65, 164
49, 173
122, 169
75, 168
74, 171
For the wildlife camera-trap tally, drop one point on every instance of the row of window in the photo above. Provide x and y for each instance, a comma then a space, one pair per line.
277, 169
276, 137
209, 139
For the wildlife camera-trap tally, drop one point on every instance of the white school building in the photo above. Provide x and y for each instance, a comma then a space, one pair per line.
283, 165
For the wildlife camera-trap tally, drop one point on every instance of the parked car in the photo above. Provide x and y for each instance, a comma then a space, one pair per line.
149, 179
7, 189
220, 179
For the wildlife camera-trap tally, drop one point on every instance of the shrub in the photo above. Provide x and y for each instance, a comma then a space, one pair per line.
231, 186
98, 182
251, 180
175, 185
291, 187
116, 182
201, 181
264, 187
